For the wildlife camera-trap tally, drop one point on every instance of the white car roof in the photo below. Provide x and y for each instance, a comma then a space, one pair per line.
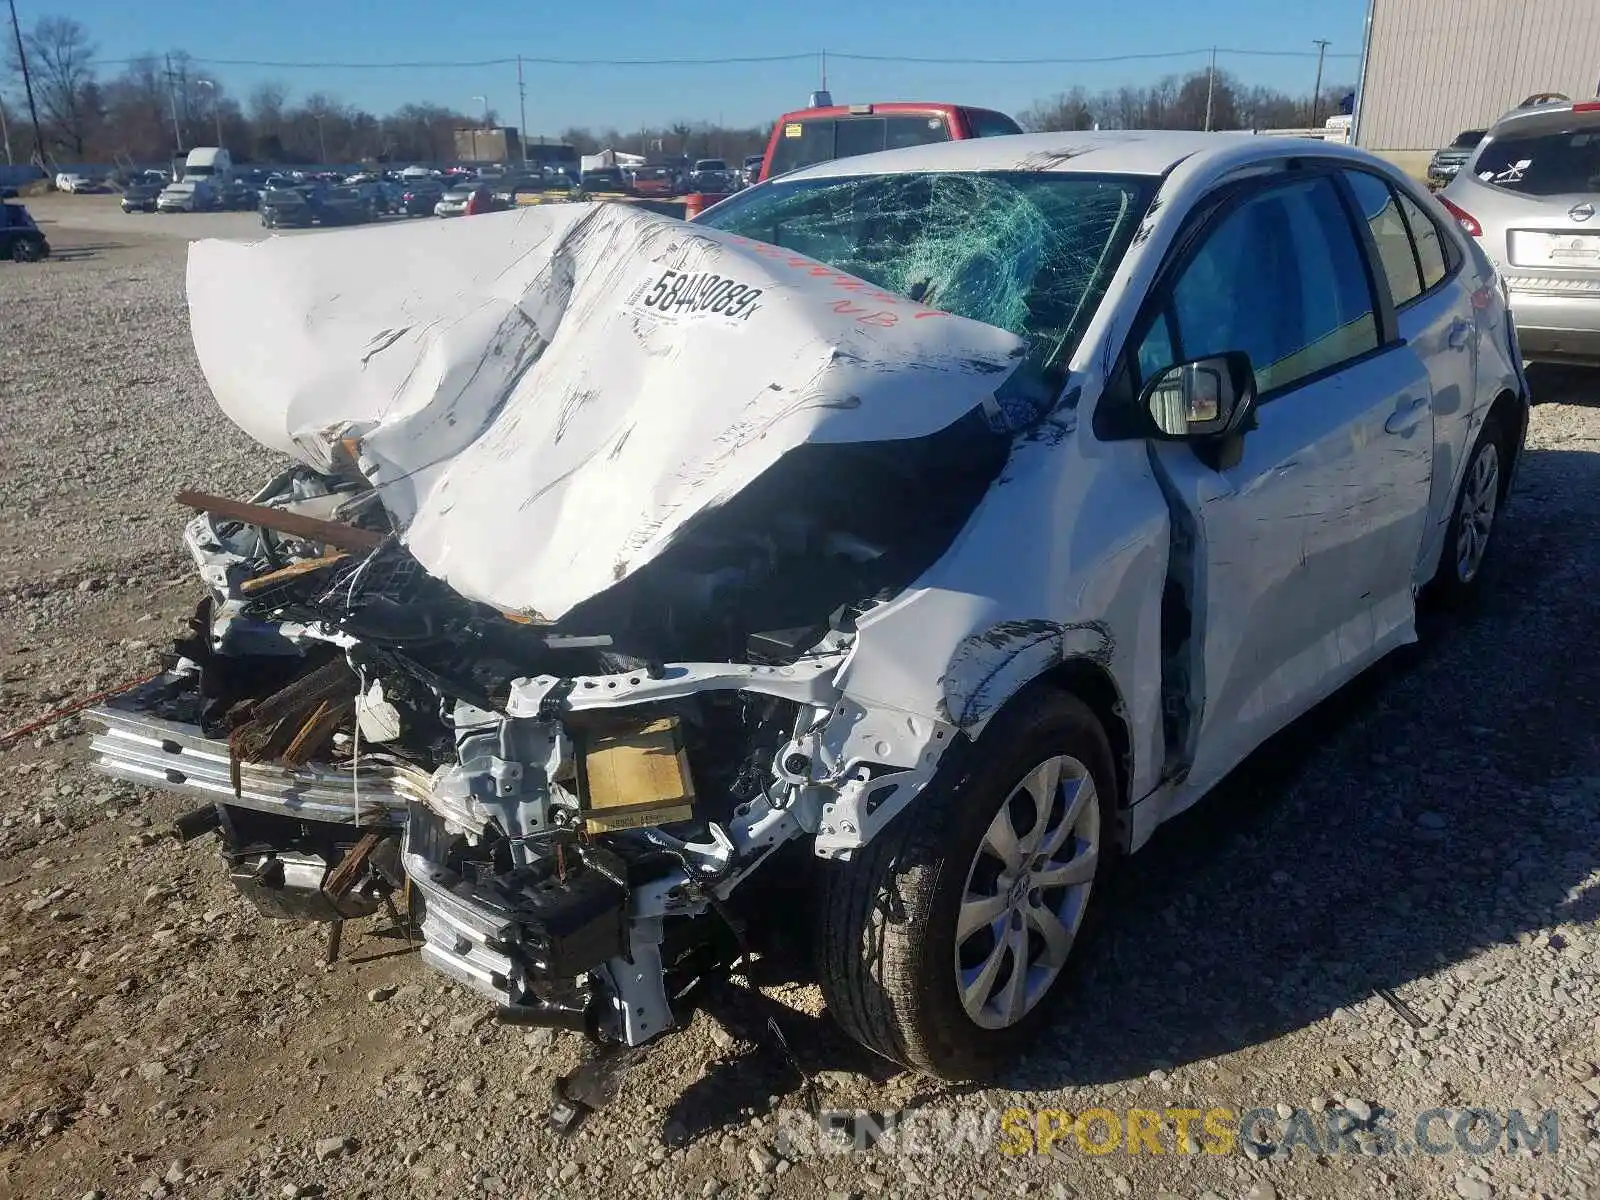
1120, 152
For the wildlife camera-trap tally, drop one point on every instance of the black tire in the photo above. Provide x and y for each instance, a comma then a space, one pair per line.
886, 937
1457, 580
26, 250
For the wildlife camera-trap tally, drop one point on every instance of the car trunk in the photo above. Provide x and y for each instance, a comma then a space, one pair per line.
1545, 176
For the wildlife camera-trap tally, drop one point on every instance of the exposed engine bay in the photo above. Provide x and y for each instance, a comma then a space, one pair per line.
568, 808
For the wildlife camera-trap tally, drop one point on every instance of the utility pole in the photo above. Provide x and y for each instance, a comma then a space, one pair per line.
522, 111
27, 86
1211, 86
172, 96
1316, 92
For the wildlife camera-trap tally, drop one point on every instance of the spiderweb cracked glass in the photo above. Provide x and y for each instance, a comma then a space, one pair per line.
1029, 252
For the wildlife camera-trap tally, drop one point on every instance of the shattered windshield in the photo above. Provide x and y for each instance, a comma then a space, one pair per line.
1030, 252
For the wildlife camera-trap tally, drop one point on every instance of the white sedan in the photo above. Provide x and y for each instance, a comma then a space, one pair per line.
952, 516
1287, 400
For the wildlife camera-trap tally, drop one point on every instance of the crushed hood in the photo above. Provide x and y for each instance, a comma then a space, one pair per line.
546, 397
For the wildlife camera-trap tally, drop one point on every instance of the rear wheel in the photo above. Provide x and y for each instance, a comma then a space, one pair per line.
26, 250
943, 941
1472, 524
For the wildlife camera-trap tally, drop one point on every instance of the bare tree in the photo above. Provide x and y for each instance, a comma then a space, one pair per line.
137, 117
580, 139
59, 56
265, 106
1069, 110
1189, 105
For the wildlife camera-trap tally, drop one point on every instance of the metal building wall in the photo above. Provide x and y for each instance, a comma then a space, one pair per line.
1436, 67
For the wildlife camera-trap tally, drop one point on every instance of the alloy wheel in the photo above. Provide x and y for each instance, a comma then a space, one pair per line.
1480, 497
1026, 893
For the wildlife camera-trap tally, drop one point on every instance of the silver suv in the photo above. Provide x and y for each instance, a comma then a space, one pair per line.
1531, 196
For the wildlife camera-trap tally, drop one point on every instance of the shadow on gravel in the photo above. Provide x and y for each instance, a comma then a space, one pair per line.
1551, 383
1418, 816
1414, 818
76, 253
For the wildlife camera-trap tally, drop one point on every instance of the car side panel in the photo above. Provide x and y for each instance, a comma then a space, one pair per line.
1305, 548
1493, 368
1064, 559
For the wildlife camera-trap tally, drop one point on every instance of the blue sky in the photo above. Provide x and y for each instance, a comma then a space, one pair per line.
625, 97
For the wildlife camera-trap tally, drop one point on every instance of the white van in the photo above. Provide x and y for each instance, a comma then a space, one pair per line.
211, 163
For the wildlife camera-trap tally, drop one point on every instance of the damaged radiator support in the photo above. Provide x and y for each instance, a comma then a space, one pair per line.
566, 814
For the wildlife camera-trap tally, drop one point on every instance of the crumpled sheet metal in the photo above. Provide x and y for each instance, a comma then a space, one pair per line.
546, 397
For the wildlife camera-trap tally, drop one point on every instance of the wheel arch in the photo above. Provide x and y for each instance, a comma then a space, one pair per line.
1511, 412
1092, 683
1003, 666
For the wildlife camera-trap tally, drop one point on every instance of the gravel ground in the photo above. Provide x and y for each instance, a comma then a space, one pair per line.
1432, 833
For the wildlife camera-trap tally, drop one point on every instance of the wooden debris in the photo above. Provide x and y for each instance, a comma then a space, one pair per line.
290, 573
317, 730
331, 533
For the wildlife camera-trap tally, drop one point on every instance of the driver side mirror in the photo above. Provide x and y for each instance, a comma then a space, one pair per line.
1207, 398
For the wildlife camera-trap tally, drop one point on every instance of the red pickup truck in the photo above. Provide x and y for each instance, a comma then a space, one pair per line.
813, 135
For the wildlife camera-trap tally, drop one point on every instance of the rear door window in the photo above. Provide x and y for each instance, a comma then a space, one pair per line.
1381, 210
1429, 241
1556, 163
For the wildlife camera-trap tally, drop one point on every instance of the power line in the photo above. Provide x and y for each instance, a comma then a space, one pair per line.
473, 63
730, 60
1079, 61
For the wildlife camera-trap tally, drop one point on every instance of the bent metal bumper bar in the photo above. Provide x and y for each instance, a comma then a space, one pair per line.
150, 750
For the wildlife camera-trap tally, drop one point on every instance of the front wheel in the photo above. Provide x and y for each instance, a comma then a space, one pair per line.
26, 250
942, 941
1472, 524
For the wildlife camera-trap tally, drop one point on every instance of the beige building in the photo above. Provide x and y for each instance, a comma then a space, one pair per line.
1436, 67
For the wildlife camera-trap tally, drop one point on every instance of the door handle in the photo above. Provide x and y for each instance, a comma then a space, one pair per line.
1460, 331
1406, 416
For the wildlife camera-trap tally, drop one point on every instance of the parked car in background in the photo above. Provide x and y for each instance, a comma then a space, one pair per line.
237, 196
652, 181
604, 181
340, 205
71, 181
285, 206
1447, 160
371, 193
187, 195
711, 175
814, 135
505, 189
752, 167
21, 239
142, 191
1530, 197
419, 195
453, 203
